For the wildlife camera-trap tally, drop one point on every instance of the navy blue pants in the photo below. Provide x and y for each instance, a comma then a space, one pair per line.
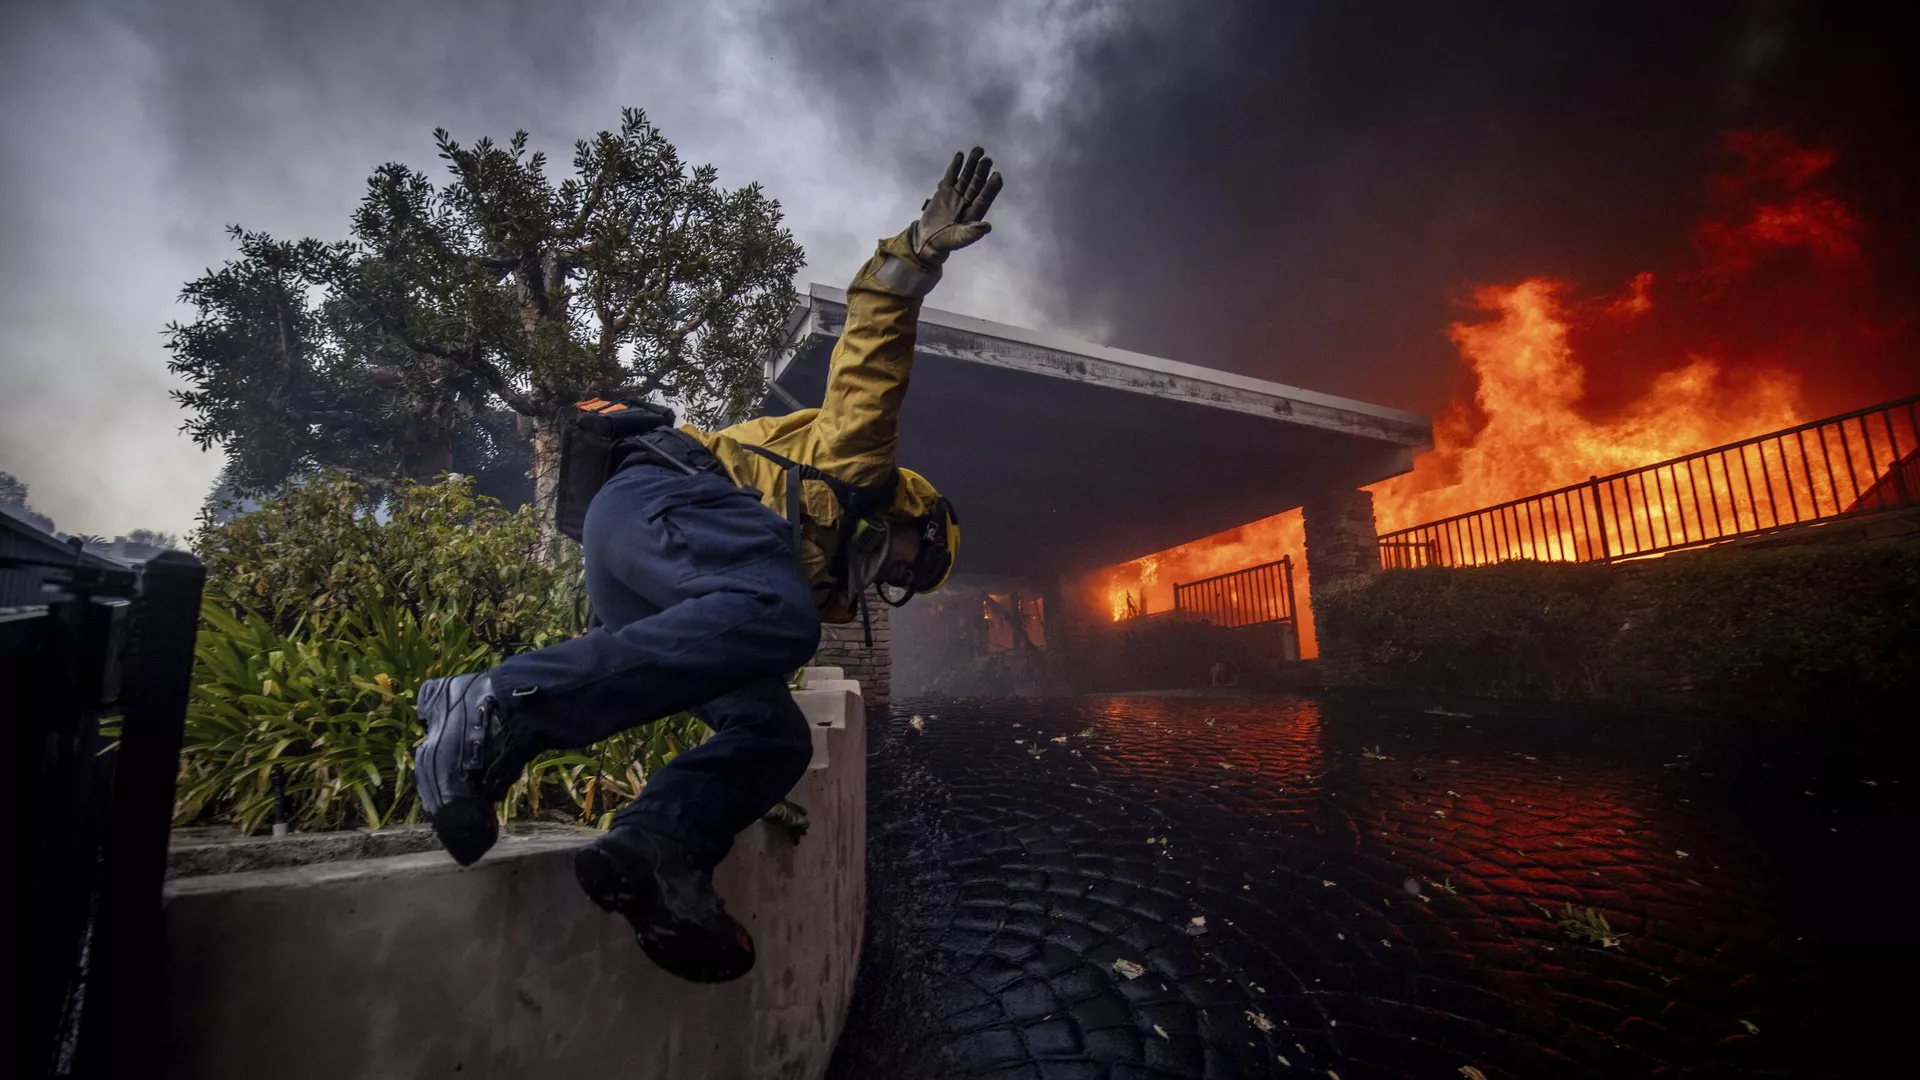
705, 608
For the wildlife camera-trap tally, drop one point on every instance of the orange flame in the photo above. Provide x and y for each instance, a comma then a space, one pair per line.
1532, 436
1707, 355
1764, 297
1147, 583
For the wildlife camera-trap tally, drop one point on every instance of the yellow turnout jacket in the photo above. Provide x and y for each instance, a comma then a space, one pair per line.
853, 436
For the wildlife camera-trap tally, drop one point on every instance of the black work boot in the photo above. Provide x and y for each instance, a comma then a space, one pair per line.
466, 763
679, 919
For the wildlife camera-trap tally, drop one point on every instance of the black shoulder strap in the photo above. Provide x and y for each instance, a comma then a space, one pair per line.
796, 511
859, 500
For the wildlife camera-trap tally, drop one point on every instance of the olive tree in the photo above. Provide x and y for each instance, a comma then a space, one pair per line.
496, 292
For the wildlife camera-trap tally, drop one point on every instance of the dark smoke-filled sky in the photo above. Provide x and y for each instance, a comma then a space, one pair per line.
1300, 191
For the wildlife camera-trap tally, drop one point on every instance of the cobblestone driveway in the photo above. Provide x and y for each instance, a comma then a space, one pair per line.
1177, 887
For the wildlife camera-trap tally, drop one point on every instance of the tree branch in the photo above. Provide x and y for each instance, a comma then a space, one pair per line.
694, 322
625, 321
653, 381
469, 359
334, 418
588, 205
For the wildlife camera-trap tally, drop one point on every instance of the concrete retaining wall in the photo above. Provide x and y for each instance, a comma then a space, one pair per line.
410, 966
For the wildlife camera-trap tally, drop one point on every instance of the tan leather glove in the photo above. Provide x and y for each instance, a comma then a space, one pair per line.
952, 219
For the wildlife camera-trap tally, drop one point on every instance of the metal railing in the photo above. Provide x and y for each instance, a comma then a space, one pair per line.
1856, 463
1254, 596
1406, 553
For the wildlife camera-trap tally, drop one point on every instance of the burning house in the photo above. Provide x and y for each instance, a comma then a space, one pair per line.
1686, 396
1066, 457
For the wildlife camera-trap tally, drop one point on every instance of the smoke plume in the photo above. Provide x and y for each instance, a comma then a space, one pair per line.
1307, 192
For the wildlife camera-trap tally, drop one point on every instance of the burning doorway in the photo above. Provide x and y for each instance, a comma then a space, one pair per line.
978, 635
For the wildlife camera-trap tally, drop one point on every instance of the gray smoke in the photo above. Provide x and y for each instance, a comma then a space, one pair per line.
1298, 191
1304, 191
135, 131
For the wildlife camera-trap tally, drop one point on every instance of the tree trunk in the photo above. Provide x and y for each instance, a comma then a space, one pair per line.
546, 474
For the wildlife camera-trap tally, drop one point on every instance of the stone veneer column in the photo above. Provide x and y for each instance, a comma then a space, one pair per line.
1341, 545
844, 645
1341, 541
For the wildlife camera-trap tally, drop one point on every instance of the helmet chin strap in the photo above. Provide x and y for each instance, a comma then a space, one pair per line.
866, 554
868, 567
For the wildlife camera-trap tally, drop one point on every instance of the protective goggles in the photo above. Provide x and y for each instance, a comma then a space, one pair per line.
938, 530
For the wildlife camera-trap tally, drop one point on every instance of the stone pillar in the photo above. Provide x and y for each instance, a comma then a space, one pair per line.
844, 645
1341, 541
1341, 546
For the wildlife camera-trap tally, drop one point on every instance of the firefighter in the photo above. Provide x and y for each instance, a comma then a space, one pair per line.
710, 594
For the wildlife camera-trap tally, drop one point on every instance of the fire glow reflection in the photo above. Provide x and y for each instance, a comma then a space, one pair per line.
1382, 884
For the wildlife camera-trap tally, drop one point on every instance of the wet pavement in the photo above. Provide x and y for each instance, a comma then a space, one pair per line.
1192, 887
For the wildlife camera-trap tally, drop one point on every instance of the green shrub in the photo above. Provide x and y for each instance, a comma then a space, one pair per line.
322, 619
437, 549
336, 711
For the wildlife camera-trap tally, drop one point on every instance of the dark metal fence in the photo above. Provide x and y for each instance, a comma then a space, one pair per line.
84, 641
1856, 463
1251, 597
1405, 553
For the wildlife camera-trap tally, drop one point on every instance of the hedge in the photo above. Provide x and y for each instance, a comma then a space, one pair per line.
1754, 624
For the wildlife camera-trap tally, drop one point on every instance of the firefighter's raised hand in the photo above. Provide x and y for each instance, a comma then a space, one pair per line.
955, 216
